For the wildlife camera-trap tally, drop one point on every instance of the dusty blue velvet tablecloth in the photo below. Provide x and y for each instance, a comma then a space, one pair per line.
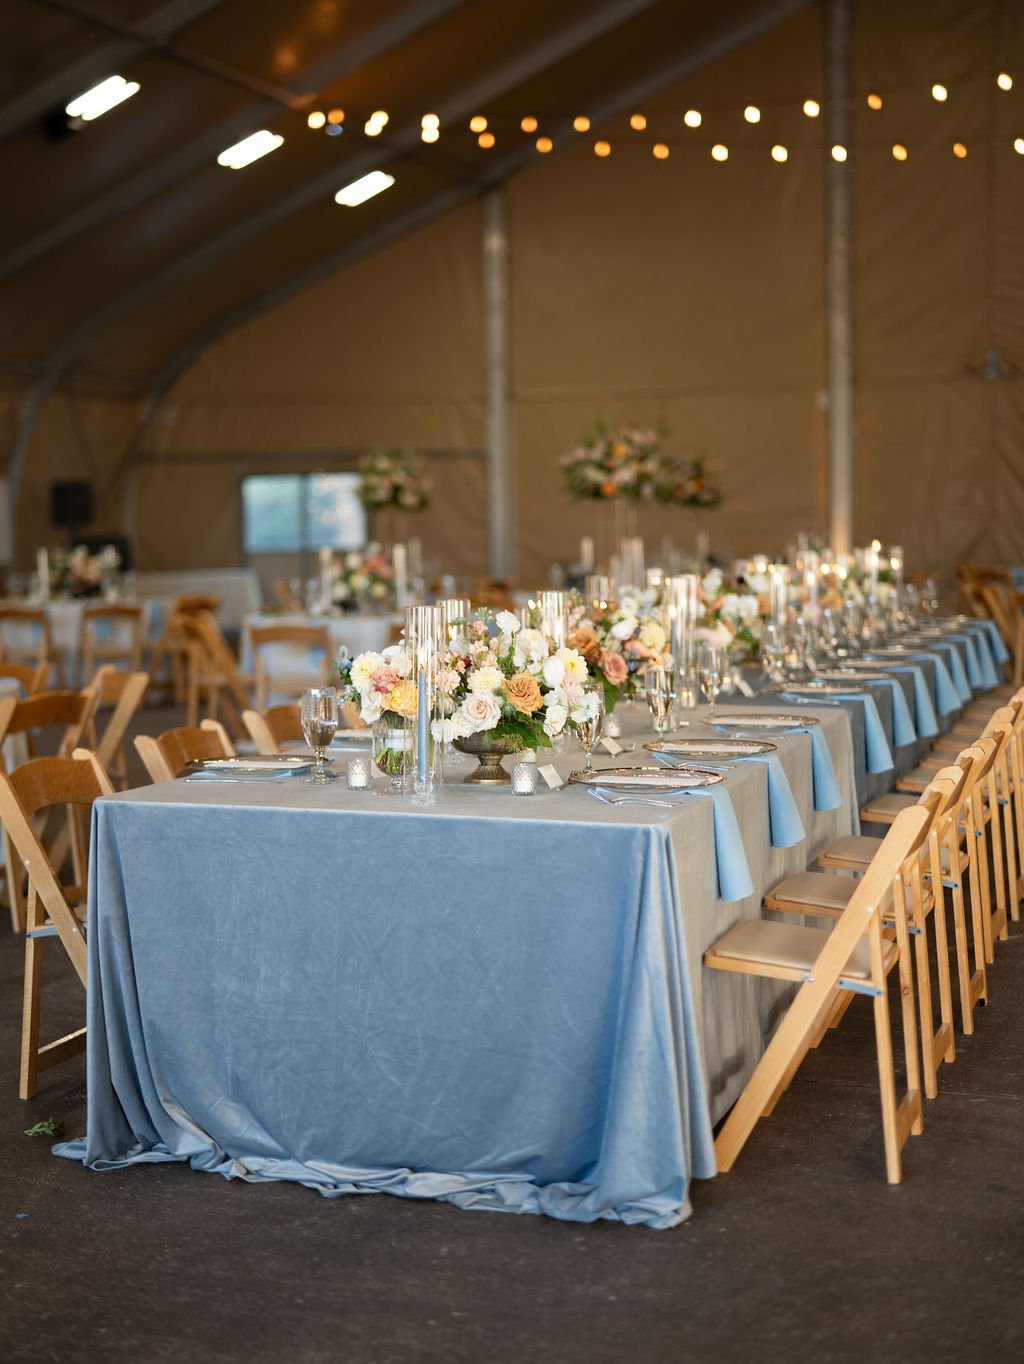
494, 1001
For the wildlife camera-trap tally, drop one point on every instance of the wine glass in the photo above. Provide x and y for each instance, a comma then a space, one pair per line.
831, 632
320, 718
710, 673
659, 684
930, 596
773, 652
587, 719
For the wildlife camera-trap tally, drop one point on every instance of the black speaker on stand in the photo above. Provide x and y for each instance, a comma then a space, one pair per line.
71, 507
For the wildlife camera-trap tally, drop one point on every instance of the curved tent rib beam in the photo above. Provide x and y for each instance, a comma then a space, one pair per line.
186, 160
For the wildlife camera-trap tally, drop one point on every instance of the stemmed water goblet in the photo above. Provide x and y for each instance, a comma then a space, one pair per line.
319, 715
587, 719
773, 652
659, 687
711, 664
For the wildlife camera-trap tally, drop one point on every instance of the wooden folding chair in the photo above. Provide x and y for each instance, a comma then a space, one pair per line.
30, 793
32, 677
26, 637
172, 648
312, 638
854, 956
212, 669
1005, 605
821, 894
112, 633
121, 693
69, 711
286, 598
167, 756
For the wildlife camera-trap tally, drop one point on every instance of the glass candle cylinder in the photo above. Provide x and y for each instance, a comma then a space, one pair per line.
425, 645
454, 613
552, 616
524, 779
682, 614
778, 594
597, 587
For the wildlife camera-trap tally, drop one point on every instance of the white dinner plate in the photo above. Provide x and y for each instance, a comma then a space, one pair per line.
710, 749
646, 778
346, 737
736, 722
855, 676
825, 689
271, 763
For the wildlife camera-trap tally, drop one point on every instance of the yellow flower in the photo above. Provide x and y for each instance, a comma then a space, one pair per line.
402, 698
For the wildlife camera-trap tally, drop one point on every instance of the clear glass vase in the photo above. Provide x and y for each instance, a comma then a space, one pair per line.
393, 752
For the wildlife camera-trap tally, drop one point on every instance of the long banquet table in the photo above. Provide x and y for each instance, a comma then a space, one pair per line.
494, 1001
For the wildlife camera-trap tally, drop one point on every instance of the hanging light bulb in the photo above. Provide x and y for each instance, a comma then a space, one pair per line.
939, 92
812, 108
486, 140
477, 124
874, 101
660, 151
528, 124
544, 145
780, 153
1018, 145
316, 119
959, 150
1004, 80
638, 122
602, 149
899, 151
752, 113
719, 152
581, 123
692, 118
838, 152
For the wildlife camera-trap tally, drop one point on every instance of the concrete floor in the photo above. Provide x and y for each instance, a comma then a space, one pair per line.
803, 1252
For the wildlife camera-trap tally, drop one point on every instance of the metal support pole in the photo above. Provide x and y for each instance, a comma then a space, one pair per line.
841, 447
499, 490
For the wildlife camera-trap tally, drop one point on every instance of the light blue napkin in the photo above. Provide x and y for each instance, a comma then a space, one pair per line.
786, 828
823, 772
956, 669
903, 731
973, 668
946, 695
988, 677
995, 641
878, 758
785, 825
734, 880
924, 712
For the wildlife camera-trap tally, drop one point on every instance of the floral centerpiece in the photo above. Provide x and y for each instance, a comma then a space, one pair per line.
618, 640
733, 612
78, 573
393, 478
364, 578
629, 462
502, 690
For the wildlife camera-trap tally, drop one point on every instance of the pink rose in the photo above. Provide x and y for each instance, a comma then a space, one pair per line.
614, 668
384, 678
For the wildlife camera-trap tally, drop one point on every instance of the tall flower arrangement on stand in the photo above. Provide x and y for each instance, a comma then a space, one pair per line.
393, 479
628, 461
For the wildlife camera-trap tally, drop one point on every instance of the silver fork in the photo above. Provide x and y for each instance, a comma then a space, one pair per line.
630, 800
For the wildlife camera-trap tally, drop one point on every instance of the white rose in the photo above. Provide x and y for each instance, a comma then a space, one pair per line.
370, 708
652, 636
711, 584
531, 647
362, 666
554, 670
507, 623
625, 629
759, 583
719, 634
574, 663
586, 708
482, 710
555, 718
486, 678
442, 731
460, 726
399, 658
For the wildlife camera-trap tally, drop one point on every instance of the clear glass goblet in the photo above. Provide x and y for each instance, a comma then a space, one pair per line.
320, 717
587, 719
711, 665
659, 685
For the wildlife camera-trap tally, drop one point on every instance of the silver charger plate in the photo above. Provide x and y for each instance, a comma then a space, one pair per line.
271, 765
646, 778
736, 722
855, 675
710, 749
825, 689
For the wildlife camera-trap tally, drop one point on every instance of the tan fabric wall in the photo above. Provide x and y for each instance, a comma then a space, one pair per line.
681, 293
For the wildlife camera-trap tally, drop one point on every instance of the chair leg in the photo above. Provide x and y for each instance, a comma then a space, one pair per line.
15, 888
30, 1006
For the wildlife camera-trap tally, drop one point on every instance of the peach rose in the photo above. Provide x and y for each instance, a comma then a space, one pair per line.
402, 699
585, 641
523, 693
384, 678
614, 668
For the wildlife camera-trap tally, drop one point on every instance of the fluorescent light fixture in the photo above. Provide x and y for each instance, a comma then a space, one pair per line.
101, 98
364, 188
250, 149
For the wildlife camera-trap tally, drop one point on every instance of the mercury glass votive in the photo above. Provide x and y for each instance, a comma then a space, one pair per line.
524, 779
357, 774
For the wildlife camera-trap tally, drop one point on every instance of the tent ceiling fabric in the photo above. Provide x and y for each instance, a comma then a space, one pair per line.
122, 243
